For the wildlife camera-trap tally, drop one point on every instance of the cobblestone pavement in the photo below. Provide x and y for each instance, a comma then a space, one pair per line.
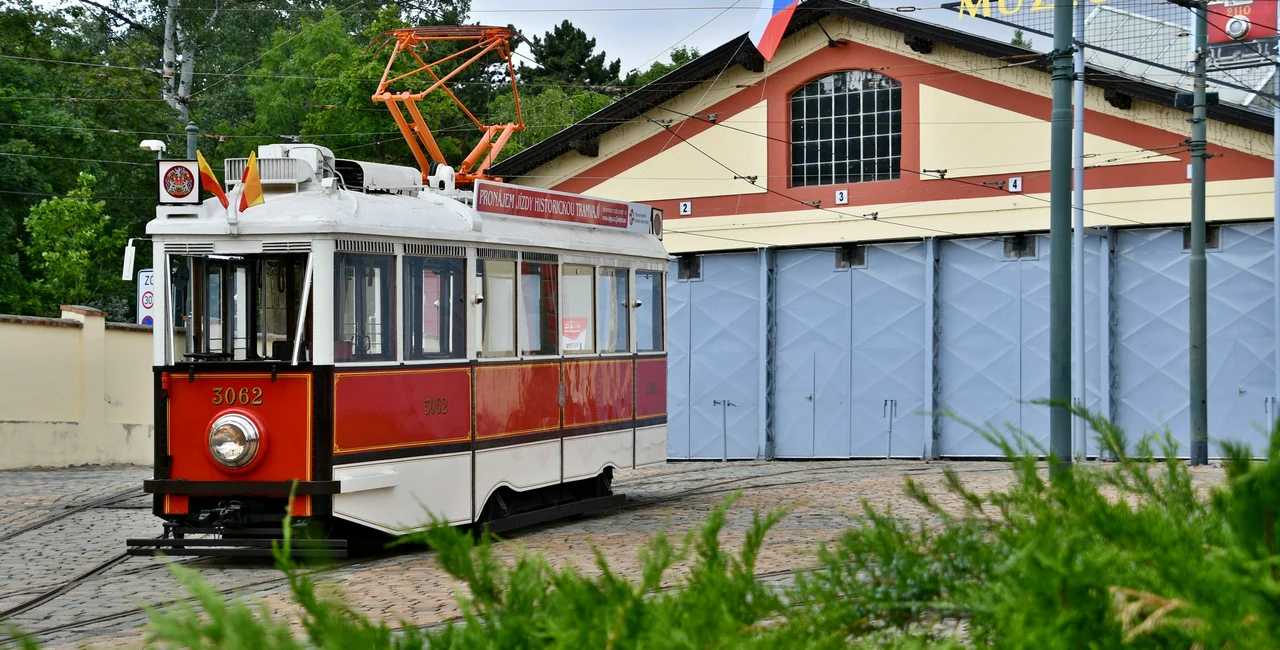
105, 610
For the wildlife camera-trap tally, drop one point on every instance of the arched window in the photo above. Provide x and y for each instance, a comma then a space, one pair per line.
846, 128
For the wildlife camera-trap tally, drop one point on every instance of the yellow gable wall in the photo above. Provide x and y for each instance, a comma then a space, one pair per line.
682, 171
1239, 199
967, 137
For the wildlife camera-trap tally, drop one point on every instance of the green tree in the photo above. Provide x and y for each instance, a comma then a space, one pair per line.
63, 114
679, 56
566, 55
316, 85
74, 251
547, 113
1020, 39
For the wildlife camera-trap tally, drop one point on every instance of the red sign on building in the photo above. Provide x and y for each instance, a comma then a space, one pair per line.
505, 200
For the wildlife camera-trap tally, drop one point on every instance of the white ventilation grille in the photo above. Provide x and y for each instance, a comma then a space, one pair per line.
362, 246
286, 171
434, 250
286, 247
496, 254
189, 248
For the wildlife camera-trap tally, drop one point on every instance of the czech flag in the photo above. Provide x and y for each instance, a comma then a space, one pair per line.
209, 181
250, 184
770, 24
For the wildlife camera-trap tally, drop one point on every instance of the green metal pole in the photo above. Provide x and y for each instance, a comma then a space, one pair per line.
1199, 295
1060, 238
192, 132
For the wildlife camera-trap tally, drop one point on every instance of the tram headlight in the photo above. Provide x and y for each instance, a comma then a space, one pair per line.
234, 441
1238, 27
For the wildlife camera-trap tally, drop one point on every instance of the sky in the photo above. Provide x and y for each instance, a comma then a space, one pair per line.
641, 32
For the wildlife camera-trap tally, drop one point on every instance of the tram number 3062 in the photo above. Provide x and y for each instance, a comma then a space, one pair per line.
243, 397
436, 406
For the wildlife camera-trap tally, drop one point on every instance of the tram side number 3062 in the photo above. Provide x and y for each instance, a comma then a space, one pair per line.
436, 406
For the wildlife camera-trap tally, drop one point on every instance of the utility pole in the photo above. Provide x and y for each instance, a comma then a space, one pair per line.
1275, 222
1079, 388
1199, 296
192, 133
1060, 239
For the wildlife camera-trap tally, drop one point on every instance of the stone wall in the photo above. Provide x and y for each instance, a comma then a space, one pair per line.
74, 390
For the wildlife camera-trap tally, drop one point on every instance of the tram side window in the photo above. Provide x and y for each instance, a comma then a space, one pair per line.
497, 280
363, 308
611, 310
434, 325
649, 311
577, 324
538, 296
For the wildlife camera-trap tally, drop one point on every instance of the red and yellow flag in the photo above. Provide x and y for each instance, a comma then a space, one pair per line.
250, 184
209, 181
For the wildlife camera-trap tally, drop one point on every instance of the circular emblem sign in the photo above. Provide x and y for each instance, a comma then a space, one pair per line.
179, 182
148, 300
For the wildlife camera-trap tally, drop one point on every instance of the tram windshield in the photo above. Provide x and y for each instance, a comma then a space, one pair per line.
241, 307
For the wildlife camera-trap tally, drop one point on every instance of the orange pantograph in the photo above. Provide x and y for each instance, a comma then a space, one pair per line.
476, 42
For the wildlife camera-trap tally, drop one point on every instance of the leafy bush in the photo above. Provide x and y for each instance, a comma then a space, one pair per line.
1123, 554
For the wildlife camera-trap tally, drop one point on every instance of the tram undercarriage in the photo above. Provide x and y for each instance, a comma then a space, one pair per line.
250, 526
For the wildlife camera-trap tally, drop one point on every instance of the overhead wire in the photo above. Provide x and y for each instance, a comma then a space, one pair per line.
93, 160
68, 196
917, 172
236, 73
277, 46
686, 37
586, 86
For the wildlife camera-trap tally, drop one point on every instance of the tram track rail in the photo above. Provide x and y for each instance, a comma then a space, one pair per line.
58, 590
105, 576
112, 498
705, 489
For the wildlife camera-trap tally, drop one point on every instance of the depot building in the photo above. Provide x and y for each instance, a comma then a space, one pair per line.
859, 239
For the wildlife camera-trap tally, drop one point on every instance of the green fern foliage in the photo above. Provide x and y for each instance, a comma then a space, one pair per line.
1123, 554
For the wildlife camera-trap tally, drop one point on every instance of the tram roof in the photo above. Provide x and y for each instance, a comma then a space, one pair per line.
316, 213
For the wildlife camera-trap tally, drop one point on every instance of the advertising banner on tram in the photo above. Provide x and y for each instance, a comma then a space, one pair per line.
506, 200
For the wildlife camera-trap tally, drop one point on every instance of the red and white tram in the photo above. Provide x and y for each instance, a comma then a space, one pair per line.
401, 352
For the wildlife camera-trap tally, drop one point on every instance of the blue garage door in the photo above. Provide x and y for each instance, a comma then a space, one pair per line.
1151, 360
850, 356
980, 341
993, 349
812, 360
713, 346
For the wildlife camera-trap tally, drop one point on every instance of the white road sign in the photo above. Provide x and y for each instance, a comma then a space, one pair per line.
146, 297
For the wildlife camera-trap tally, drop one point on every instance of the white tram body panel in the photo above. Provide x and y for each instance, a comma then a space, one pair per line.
397, 353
